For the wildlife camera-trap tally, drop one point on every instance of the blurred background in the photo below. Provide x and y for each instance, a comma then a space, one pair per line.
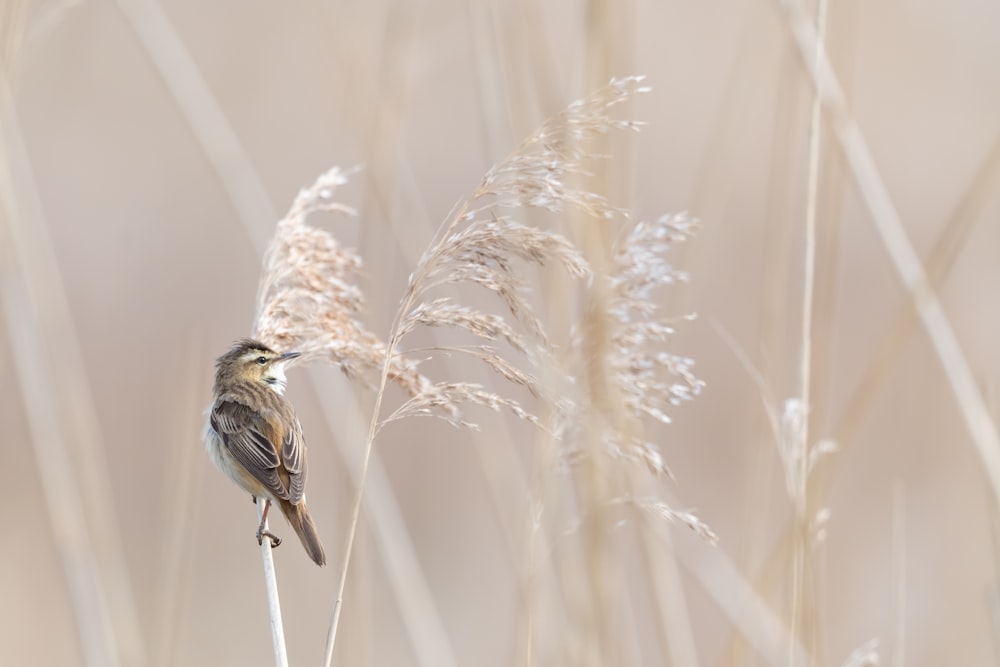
147, 151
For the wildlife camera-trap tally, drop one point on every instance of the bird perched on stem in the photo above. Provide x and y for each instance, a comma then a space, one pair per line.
255, 438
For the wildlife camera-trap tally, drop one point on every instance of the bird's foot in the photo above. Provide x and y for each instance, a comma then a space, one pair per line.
262, 533
262, 530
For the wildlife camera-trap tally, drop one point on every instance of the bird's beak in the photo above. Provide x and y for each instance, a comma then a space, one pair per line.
288, 356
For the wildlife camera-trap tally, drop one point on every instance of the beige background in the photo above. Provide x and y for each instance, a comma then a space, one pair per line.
158, 270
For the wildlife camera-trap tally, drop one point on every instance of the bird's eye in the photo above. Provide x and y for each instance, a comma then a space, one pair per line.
261, 360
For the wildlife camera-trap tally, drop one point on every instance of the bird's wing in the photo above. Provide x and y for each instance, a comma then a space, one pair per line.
293, 455
245, 435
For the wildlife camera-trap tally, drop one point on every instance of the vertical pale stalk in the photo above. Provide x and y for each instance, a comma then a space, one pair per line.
740, 601
387, 528
676, 634
940, 260
61, 414
899, 573
802, 458
181, 477
406, 305
352, 526
61, 493
887, 352
273, 604
204, 115
594, 482
11, 33
979, 422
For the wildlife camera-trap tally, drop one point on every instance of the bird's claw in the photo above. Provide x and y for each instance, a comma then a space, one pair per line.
275, 540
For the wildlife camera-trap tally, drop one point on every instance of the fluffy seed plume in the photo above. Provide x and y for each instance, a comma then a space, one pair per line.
483, 244
651, 379
307, 300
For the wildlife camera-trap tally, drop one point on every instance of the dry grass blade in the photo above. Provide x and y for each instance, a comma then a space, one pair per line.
506, 369
442, 313
658, 508
739, 600
492, 358
484, 254
445, 395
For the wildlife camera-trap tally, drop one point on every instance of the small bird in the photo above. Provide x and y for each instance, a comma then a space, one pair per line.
254, 437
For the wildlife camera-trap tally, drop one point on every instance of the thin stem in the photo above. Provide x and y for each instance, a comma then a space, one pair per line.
899, 573
801, 460
352, 530
969, 400
273, 605
415, 287
388, 530
809, 273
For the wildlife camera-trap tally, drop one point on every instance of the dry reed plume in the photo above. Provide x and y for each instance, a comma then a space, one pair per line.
308, 301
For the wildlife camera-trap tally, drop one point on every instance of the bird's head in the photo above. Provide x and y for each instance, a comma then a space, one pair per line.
250, 360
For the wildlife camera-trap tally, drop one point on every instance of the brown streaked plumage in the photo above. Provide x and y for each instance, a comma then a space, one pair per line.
255, 438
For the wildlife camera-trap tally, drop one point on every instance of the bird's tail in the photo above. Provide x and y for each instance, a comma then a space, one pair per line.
301, 521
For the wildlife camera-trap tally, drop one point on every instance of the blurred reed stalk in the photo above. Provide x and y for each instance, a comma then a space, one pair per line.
968, 398
181, 477
66, 438
273, 602
805, 456
887, 353
920, 282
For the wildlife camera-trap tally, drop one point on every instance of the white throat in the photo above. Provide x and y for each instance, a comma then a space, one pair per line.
275, 379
